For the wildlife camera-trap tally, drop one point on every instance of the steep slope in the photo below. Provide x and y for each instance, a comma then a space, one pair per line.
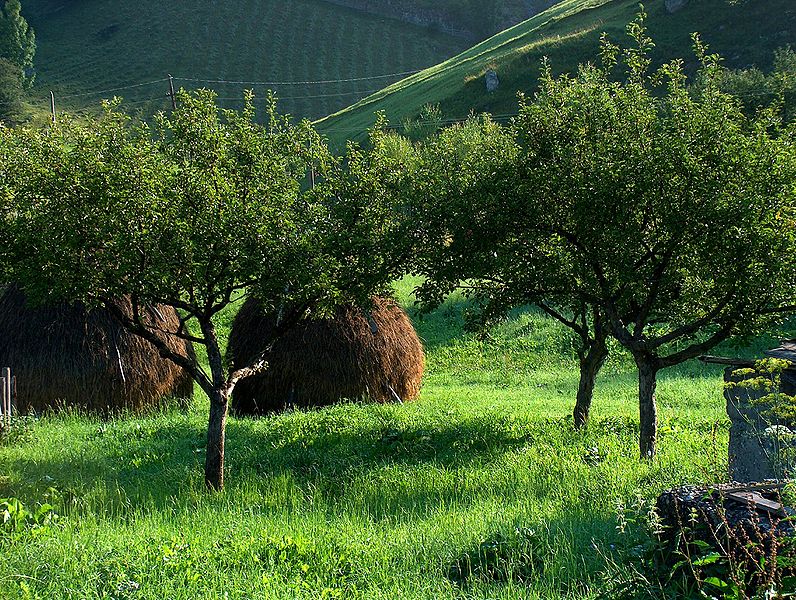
85, 48
568, 33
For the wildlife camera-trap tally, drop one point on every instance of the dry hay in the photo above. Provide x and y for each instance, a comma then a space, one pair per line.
70, 357
374, 356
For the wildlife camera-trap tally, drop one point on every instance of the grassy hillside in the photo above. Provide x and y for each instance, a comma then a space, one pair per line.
87, 47
745, 34
363, 502
474, 19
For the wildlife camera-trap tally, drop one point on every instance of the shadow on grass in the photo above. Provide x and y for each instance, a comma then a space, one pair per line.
442, 325
562, 554
120, 466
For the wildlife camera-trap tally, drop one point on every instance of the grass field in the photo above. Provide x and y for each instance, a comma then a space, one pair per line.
476, 19
360, 501
87, 47
745, 33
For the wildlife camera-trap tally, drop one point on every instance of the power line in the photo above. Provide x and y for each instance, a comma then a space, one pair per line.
126, 87
448, 121
280, 98
319, 82
156, 98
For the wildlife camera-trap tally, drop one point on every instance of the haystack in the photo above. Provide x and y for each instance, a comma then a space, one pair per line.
373, 356
68, 356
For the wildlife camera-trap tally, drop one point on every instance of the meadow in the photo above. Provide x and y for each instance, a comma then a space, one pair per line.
480, 489
85, 51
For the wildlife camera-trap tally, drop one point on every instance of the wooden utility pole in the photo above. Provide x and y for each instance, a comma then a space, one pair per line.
312, 167
52, 106
171, 93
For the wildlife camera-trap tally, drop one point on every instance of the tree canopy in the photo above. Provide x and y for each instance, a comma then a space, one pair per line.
202, 208
630, 206
17, 40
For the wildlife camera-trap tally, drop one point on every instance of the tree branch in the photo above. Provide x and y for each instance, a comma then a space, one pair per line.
260, 363
698, 349
572, 324
644, 312
138, 328
689, 328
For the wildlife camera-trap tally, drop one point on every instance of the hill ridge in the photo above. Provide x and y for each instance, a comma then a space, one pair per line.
568, 33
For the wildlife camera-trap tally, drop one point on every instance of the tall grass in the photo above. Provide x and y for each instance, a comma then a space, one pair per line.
481, 489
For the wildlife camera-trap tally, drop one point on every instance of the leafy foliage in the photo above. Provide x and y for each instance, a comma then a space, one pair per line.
757, 89
654, 560
17, 48
631, 206
10, 90
17, 521
17, 40
765, 378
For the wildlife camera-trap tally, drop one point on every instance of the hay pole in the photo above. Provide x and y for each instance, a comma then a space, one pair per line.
8, 396
12, 403
395, 394
5, 380
119, 360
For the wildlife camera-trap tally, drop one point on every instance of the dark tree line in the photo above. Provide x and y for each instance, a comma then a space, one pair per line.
17, 49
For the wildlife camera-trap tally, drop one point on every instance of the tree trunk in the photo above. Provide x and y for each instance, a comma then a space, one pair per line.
648, 412
219, 394
216, 434
590, 365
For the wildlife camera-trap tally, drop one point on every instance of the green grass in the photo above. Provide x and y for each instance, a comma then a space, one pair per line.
478, 18
568, 34
86, 47
363, 501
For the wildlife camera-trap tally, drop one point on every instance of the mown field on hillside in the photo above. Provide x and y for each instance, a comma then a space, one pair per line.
472, 19
360, 501
744, 33
86, 48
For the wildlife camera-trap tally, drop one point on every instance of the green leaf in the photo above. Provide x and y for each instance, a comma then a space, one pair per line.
709, 559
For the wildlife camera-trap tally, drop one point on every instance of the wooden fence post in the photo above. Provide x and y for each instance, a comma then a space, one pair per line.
3, 399
171, 93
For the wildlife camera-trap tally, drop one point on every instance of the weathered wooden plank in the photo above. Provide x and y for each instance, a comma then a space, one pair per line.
722, 360
760, 503
753, 487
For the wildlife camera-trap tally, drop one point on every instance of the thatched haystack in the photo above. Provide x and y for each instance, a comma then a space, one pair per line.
67, 356
374, 356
